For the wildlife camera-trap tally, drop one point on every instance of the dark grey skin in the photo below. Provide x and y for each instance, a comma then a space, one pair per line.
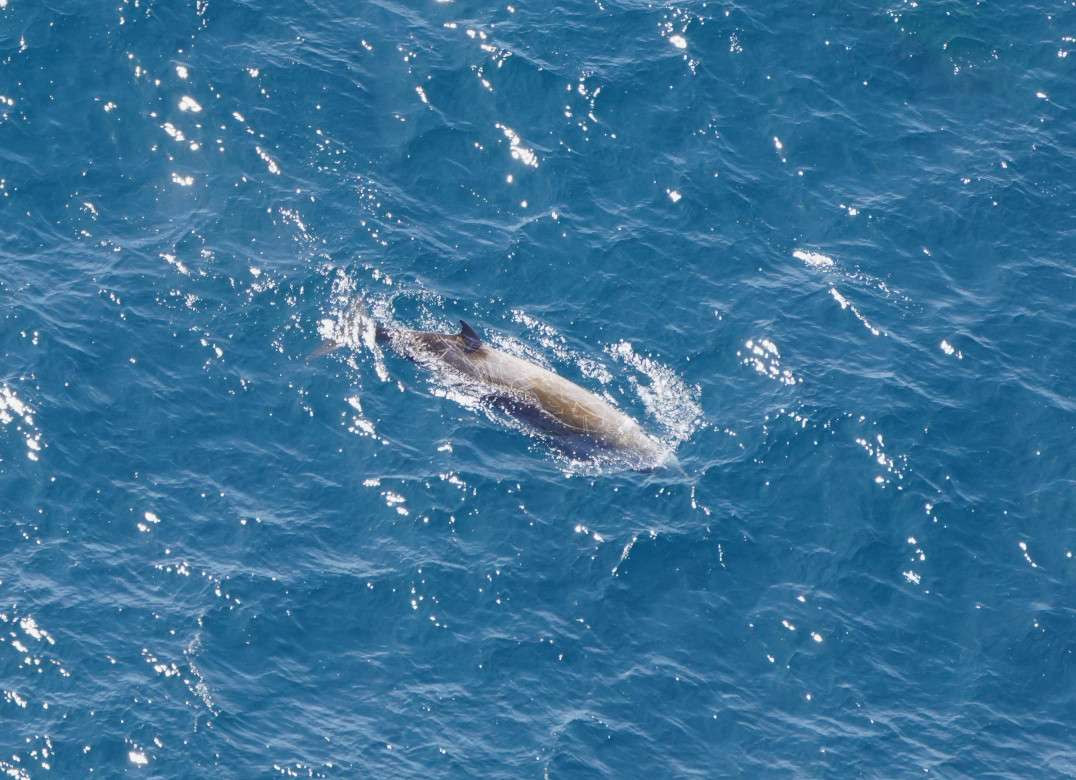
573, 418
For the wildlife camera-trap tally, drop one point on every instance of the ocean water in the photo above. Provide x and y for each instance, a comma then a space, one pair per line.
823, 251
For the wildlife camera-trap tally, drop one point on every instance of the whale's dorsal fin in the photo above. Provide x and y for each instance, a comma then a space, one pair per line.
471, 339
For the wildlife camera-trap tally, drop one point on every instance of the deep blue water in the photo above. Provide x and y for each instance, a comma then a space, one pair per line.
826, 251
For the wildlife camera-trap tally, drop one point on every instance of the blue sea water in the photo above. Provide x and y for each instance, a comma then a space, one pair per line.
825, 251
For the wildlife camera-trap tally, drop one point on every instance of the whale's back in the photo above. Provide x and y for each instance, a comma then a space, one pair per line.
557, 406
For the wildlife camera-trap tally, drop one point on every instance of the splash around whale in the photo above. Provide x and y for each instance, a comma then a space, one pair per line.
568, 417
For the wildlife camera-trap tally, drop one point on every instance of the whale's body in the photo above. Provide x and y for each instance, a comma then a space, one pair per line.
571, 416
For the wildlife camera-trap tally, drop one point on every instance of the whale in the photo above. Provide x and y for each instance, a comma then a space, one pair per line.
569, 417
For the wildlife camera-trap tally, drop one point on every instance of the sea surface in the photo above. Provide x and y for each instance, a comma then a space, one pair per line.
825, 252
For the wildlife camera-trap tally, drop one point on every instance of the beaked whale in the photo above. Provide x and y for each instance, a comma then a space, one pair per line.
570, 417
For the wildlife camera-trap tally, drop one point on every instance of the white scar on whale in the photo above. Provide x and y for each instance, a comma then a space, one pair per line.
568, 416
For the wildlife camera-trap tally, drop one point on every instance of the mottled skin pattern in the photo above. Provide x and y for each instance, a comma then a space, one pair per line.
559, 407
